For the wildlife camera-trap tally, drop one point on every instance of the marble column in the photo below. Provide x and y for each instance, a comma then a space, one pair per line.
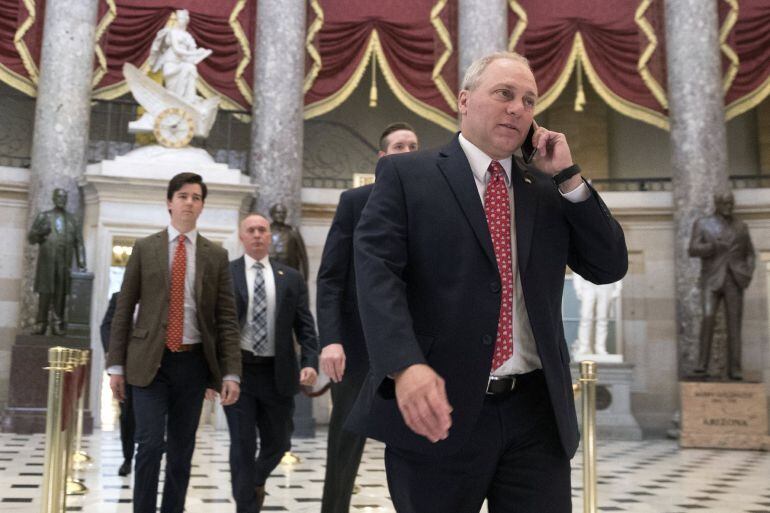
62, 118
276, 127
698, 148
483, 29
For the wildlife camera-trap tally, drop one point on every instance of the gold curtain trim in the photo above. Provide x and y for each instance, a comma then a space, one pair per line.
446, 39
621, 105
21, 46
724, 32
315, 56
547, 98
101, 58
17, 81
652, 43
243, 40
749, 101
521, 25
421, 109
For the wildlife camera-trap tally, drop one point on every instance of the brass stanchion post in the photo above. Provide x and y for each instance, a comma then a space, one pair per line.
53, 480
73, 486
80, 458
588, 403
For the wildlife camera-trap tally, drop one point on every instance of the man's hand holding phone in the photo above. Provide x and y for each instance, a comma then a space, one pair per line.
550, 153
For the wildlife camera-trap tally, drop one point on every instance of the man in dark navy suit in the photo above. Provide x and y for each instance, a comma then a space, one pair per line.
343, 349
272, 304
460, 257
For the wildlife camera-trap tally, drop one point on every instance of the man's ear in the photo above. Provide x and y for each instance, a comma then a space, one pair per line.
381, 154
462, 101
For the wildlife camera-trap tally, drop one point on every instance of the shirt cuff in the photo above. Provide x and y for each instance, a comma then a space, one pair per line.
232, 377
578, 194
115, 370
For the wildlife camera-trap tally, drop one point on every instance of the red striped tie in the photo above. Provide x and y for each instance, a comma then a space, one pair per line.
497, 208
175, 327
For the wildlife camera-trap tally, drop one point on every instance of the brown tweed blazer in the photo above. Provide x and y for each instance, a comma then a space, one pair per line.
147, 283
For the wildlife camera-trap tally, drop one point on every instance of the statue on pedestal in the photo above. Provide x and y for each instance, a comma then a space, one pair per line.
174, 113
595, 306
724, 246
60, 238
287, 246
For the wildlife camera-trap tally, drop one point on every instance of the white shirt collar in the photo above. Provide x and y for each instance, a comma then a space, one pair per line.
265, 261
480, 161
192, 235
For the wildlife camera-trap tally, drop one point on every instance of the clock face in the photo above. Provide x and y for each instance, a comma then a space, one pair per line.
174, 128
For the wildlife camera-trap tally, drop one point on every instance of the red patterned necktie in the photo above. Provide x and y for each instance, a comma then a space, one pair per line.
497, 208
176, 297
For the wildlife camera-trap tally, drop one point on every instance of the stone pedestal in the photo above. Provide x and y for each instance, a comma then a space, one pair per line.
28, 389
724, 415
614, 420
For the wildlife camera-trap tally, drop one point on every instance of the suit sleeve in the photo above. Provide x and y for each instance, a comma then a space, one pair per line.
304, 328
333, 274
123, 320
104, 329
699, 247
381, 254
597, 245
228, 334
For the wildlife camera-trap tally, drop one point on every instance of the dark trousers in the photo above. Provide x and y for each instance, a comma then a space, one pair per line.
344, 449
170, 404
127, 425
259, 408
513, 458
732, 296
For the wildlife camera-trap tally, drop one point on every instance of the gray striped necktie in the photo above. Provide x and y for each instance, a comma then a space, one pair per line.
259, 312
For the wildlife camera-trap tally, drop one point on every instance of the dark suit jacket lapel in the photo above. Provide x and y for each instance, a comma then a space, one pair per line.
525, 208
279, 277
201, 256
457, 171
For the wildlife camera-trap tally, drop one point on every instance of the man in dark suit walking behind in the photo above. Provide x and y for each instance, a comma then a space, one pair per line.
272, 303
126, 406
343, 349
460, 259
185, 338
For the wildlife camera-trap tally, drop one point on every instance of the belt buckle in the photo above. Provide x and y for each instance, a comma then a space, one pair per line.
500, 378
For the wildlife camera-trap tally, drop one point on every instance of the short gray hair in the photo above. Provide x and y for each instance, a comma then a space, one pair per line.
477, 67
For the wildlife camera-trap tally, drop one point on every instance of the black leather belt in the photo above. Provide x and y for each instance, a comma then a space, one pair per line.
248, 357
501, 385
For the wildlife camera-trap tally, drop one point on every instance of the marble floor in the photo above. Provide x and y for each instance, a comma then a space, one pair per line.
648, 476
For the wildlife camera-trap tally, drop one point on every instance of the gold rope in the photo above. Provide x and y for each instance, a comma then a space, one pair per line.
621, 105
240, 35
421, 109
17, 81
547, 98
521, 25
101, 58
373, 87
652, 43
446, 39
315, 56
580, 97
749, 101
730, 21
336, 99
21, 46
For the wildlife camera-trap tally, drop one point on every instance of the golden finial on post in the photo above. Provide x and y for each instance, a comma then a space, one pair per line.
54, 477
588, 403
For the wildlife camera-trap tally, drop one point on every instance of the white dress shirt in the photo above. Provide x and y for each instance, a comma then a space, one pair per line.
247, 337
525, 357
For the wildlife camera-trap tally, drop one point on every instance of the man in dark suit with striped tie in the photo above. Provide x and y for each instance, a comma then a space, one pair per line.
272, 304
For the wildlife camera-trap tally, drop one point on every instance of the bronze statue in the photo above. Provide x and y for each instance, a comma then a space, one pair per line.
287, 246
723, 244
60, 238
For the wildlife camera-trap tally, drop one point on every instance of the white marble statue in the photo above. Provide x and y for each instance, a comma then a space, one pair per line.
174, 111
596, 303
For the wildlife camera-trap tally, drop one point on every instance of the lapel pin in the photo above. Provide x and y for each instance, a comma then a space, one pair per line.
527, 178
280, 272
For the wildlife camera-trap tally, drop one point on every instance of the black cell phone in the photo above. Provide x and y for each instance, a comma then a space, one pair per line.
528, 150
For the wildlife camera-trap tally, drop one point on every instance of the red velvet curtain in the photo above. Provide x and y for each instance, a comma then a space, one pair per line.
413, 42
